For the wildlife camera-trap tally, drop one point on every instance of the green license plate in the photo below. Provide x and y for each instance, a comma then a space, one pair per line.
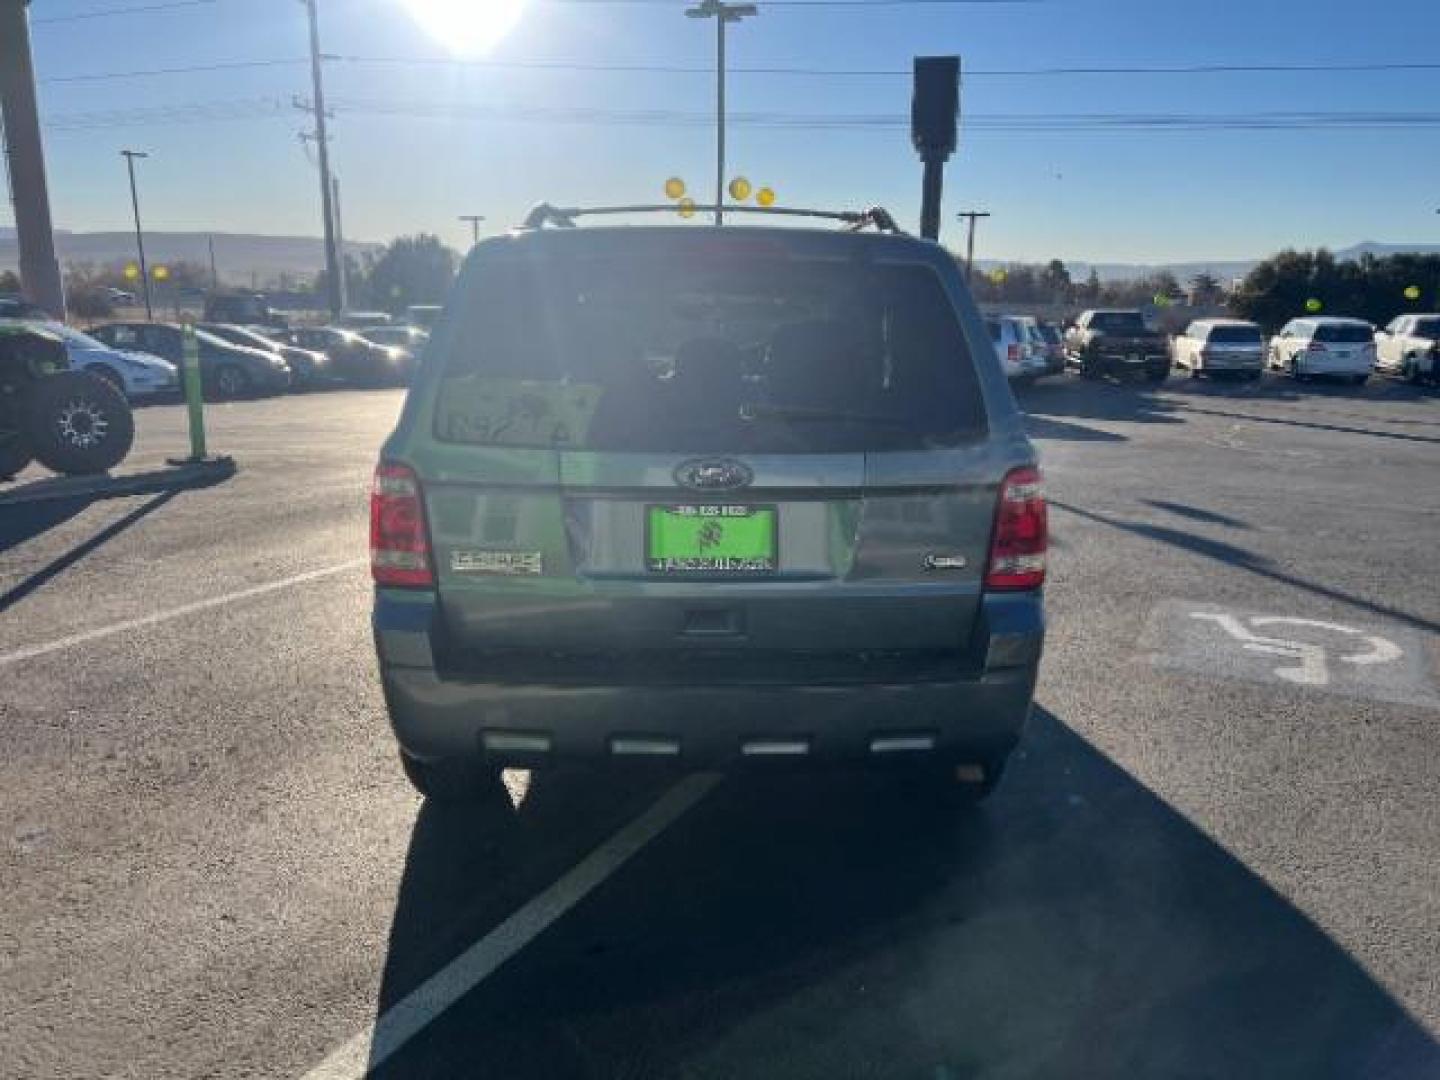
711, 539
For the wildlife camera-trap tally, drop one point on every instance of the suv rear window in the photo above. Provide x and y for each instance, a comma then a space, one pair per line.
708, 353
1117, 321
1235, 335
1427, 328
1344, 333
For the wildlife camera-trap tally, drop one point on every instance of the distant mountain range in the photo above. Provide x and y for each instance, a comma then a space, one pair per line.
242, 258
1224, 269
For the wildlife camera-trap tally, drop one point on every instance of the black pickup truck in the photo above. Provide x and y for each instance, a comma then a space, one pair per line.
1114, 343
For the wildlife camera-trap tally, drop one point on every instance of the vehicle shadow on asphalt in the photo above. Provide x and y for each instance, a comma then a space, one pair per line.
26, 522
836, 926
1242, 559
1093, 401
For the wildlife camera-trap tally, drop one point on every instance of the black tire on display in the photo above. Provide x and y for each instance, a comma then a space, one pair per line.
453, 783
77, 423
14, 455
15, 452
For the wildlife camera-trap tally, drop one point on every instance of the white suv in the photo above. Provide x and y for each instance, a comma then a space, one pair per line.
1220, 346
1410, 348
1332, 347
1020, 357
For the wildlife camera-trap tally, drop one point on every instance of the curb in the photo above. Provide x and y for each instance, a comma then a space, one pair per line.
107, 486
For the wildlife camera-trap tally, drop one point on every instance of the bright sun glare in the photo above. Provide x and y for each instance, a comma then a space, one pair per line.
466, 26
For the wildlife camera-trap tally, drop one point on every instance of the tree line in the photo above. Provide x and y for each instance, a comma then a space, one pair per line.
1282, 287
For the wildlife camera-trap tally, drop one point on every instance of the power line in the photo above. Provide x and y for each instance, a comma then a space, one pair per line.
109, 13
243, 109
191, 69
694, 69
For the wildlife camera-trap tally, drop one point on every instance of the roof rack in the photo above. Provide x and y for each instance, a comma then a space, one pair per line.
876, 217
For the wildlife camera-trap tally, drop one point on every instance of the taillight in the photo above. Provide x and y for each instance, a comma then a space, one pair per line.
1017, 547
399, 542
1013, 353
1316, 346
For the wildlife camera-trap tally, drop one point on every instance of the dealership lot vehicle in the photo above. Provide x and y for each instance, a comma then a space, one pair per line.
308, 368
1324, 346
1409, 348
751, 494
70, 421
1054, 347
408, 340
353, 359
134, 374
1220, 347
1016, 347
1105, 343
227, 370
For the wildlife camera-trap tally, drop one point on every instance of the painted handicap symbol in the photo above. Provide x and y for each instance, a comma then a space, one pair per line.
1362, 649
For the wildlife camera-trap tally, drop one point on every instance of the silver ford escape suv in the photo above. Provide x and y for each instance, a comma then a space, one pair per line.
709, 494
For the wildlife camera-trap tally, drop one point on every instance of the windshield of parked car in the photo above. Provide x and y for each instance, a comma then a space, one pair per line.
1234, 335
1116, 322
1344, 333
665, 354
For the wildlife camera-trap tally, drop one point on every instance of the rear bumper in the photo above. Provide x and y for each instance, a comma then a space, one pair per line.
970, 716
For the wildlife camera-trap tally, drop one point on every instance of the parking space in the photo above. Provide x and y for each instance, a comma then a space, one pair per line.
1217, 854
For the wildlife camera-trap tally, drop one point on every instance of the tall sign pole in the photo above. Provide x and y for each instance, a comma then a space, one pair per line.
723, 14
130, 156
39, 268
934, 129
335, 296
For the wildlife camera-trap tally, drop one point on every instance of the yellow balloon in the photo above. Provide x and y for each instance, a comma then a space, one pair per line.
674, 188
687, 207
1412, 292
132, 272
160, 273
740, 189
765, 197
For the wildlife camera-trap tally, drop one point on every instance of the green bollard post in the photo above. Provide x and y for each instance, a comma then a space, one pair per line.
193, 401
195, 407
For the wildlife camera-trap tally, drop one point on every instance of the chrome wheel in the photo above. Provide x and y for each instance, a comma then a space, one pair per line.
82, 425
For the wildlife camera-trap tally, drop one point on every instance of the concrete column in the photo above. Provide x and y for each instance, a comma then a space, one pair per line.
39, 269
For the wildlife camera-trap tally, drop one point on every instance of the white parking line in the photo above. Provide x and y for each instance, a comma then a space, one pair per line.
373, 1045
29, 652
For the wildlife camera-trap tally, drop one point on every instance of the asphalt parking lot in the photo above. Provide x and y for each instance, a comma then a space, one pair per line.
1218, 854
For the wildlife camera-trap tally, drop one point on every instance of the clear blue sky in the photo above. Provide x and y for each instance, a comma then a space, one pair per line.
1111, 195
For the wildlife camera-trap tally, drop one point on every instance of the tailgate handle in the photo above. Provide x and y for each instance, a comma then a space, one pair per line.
713, 622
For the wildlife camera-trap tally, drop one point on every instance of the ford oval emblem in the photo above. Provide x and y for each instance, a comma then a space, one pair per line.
713, 475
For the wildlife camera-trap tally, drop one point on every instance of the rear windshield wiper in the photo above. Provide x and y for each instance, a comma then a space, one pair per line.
758, 411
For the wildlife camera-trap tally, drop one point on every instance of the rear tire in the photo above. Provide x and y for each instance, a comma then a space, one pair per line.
15, 452
77, 423
1359, 380
453, 782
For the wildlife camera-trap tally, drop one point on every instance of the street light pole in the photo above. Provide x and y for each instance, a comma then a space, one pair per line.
723, 14
971, 216
130, 156
474, 220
